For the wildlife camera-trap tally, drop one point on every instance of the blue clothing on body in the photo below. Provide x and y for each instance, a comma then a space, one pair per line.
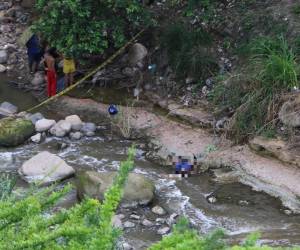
34, 50
183, 166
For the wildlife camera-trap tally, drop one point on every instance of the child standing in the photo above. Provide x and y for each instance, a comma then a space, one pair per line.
69, 70
51, 72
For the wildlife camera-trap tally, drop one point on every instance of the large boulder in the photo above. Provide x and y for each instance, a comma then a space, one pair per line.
15, 131
44, 125
289, 113
61, 128
136, 54
3, 57
75, 122
138, 190
45, 168
7, 109
38, 79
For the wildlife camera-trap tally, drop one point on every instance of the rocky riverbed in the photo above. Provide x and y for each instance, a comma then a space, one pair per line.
82, 146
206, 203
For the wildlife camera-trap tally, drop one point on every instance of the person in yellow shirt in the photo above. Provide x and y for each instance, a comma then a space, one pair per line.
69, 69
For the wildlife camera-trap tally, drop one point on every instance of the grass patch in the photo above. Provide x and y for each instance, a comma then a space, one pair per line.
255, 92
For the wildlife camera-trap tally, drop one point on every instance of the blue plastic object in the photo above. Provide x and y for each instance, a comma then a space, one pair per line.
112, 109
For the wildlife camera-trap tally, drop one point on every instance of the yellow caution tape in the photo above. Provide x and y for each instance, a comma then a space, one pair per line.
108, 61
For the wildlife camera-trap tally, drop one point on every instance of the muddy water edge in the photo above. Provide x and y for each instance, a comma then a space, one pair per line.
238, 209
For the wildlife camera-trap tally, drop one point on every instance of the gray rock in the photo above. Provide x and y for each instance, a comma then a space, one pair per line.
137, 53
38, 79
7, 109
134, 216
243, 203
116, 222
44, 125
121, 216
90, 134
14, 132
63, 145
36, 138
158, 210
75, 121
172, 219
126, 246
3, 57
75, 135
212, 199
35, 117
45, 168
288, 212
147, 223
2, 68
163, 230
61, 128
289, 113
129, 224
160, 221
138, 190
89, 129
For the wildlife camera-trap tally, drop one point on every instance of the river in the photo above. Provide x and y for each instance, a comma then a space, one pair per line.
185, 197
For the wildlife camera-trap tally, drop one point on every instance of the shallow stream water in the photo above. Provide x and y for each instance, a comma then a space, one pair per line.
184, 197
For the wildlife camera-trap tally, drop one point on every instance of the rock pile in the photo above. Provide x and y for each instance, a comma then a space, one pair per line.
13, 20
17, 128
71, 126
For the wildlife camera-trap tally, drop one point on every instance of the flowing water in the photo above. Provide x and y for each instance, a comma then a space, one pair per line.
185, 197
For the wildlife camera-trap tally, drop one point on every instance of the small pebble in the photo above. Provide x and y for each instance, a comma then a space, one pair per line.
163, 230
129, 224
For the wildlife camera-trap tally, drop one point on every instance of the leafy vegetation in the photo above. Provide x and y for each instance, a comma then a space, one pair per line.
29, 224
255, 92
296, 9
188, 52
184, 237
7, 183
89, 26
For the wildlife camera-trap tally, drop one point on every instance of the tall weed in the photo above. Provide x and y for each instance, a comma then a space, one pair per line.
188, 51
255, 92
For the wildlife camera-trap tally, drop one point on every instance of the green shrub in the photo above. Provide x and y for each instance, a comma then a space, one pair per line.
184, 237
254, 92
188, 51
89, 26
7, 183
28, 223
276, 64
296, 9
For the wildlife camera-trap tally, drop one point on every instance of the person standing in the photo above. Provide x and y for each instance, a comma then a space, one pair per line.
51, 72
34, 52
69, 70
